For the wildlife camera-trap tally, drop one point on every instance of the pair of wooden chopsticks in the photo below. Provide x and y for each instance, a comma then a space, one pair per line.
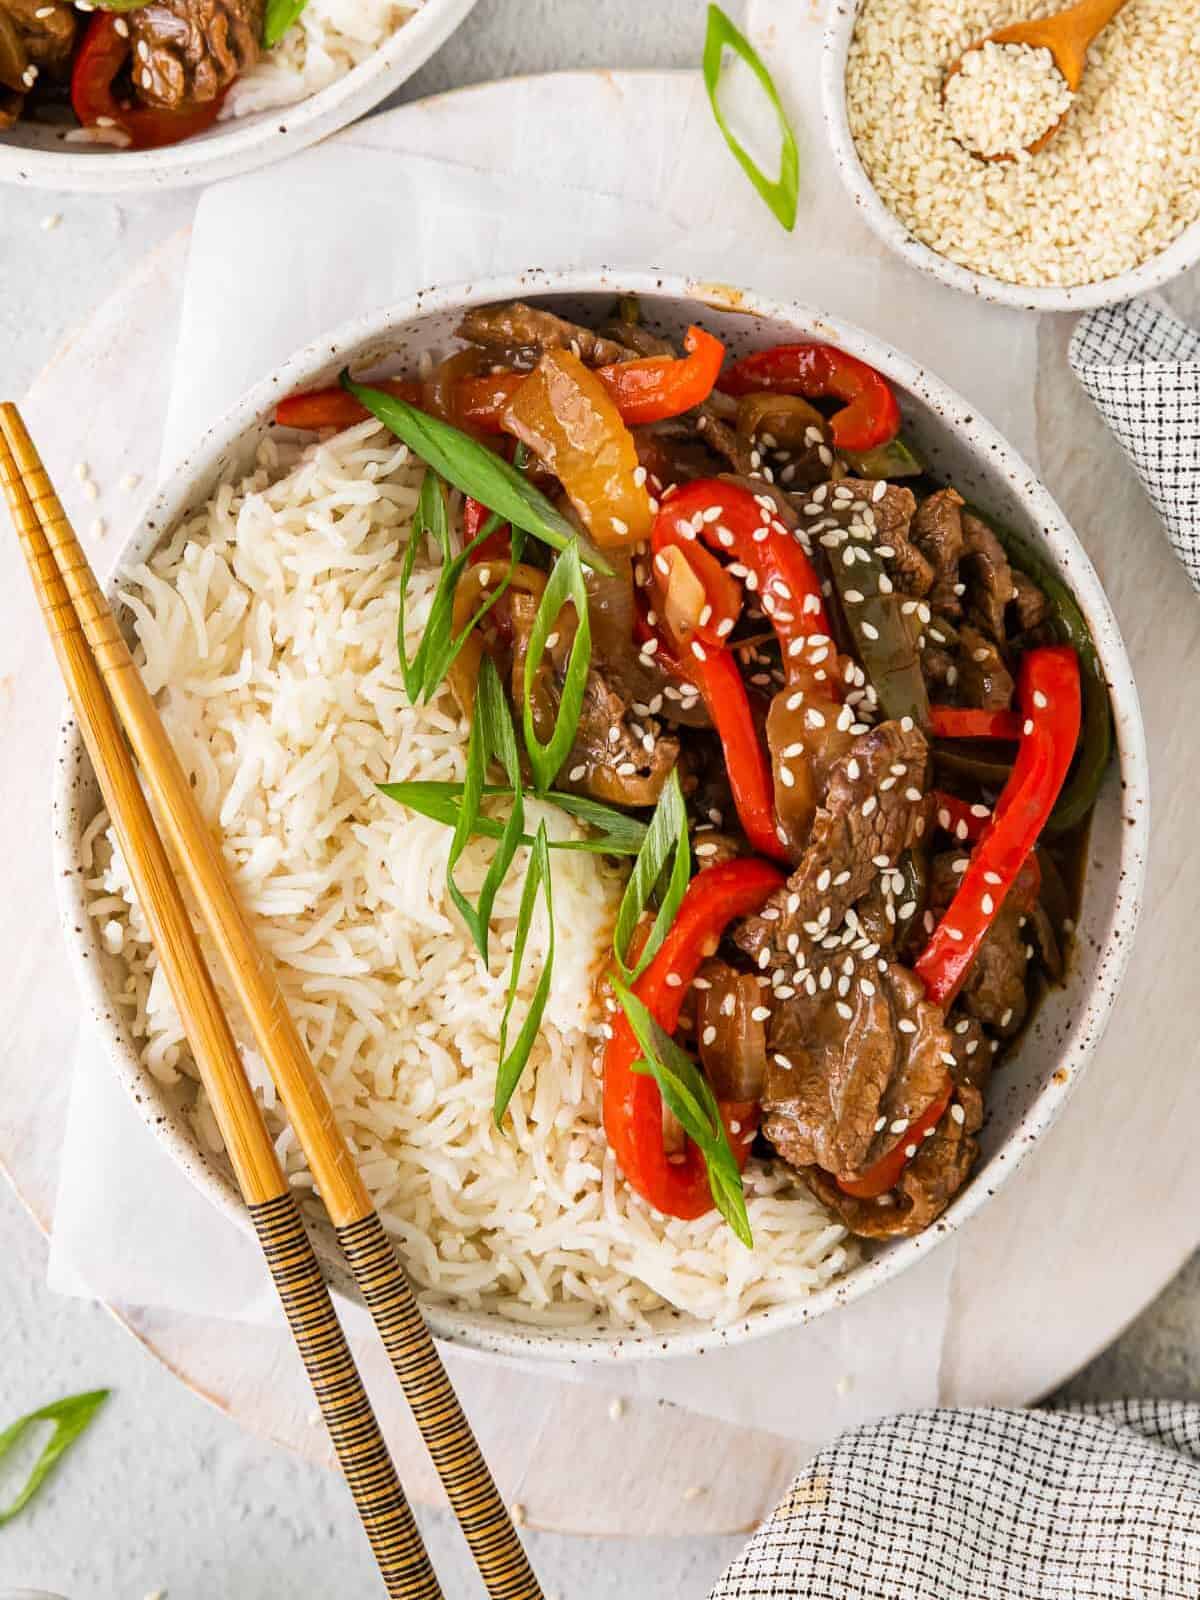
108, 695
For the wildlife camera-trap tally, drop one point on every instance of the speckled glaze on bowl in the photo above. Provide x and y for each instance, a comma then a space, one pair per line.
37, 155
1032, 1087
1183, 253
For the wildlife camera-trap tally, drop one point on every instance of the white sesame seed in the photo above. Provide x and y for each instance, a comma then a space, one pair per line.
957, 1112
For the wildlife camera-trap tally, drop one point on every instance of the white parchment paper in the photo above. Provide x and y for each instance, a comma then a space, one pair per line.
364, 220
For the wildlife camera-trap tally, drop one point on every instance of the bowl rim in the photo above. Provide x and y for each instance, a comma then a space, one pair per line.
243, 143
1182, 253
488, 1332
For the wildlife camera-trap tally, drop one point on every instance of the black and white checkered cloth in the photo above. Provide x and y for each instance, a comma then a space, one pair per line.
1141, 367
1095, 1503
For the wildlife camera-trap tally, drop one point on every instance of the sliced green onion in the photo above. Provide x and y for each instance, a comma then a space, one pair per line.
440, 646
279, 18
476, 470
565, 583
512, 1062
70, 1418
780, 193
686, 1091
618, 834
492, 738
666, 842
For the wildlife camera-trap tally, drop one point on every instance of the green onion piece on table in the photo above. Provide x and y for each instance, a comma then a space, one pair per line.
512, 1062
686, 1091
780, 193
476, 470
665, 852
564, 584
70, 1417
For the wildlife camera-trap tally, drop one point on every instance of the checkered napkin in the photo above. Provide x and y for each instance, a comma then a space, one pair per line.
1141, 367
1094, 1503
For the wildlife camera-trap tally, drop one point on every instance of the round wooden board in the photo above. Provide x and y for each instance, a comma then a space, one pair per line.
1080, 1240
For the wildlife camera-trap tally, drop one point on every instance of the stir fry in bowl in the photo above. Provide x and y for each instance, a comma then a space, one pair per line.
142, 74
845, 733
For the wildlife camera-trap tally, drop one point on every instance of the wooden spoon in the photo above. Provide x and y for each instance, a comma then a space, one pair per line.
1067, 35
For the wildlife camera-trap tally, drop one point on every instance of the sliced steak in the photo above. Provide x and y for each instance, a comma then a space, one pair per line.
938, 533
927, 1185
519, 335
852, 1059
988, 577
187, 52
995, 988
618, 756
983, 679
873, 809
1031, 609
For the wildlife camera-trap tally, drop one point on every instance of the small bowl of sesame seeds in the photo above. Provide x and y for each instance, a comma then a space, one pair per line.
1107, 208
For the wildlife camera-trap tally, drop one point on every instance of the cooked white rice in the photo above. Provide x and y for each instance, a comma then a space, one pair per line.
329, 39
267, 631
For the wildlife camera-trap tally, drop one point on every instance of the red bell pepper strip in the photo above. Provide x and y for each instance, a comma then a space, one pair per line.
965, 722
632, 1102
885, 1173
1048, 693
99, 60
870, 416
334, 408
649, 390
498, 544
959, 817
733, 522
658, 387
718, 677
722, 593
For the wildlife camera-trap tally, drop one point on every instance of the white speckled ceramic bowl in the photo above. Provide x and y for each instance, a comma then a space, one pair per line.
960, 445
1152, 274
38, 155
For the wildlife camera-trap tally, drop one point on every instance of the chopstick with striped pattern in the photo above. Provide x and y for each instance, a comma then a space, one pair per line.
371, 1255
386, 1515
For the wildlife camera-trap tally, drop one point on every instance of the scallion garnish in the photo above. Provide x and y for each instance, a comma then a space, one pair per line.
686, 1091
70, 1417
440, 646
279, 17
492, 738
780, 193
564, 583
617, 834
666, 842
512, 1062
476, 470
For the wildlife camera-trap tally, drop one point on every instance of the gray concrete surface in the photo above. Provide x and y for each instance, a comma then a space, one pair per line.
165, 1494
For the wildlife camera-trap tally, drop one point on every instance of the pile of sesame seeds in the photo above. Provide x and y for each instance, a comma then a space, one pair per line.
1117, 183
1004, 97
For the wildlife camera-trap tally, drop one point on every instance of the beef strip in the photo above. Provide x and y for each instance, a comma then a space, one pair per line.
926, 1186
187, 52
843, 1075
36, 37
983, 679
723, 439
858, 827
988, 577
617, 757
995, 988
938, 533
519, 335
1031, 609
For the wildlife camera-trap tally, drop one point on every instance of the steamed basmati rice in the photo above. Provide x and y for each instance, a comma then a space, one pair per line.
267, 633
329, 39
